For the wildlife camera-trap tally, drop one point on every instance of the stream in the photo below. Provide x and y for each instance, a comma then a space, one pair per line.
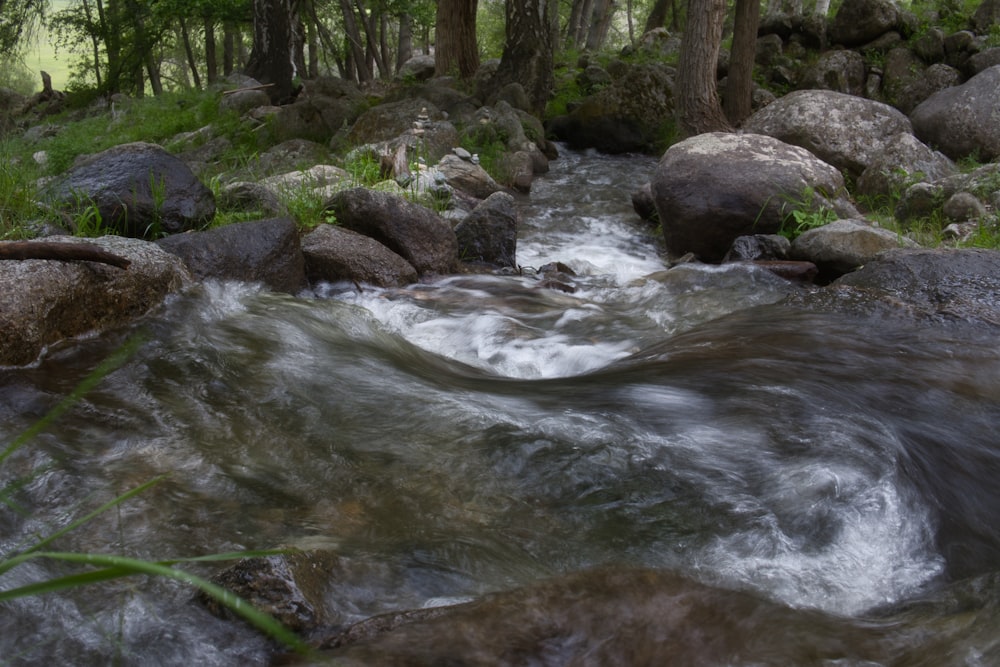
486, 433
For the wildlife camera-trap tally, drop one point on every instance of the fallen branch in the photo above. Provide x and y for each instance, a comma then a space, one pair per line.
62, 252
240, 90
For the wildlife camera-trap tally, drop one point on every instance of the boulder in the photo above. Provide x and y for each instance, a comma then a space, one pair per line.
334, 253
243, 100
714, 187
45, 301
949, 285
843, 245
964, 120
417, 68
924, 199
626, 116
846, 131
468, 177
418, 234
322, 108
841, 71
489, 233
264, 251
138, 189
291, 155
906, 81
251, 196
903, 161
858, 22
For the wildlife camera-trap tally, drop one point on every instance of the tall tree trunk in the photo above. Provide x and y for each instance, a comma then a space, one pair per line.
404, 49
189, 52
532, 29
111, 32
355, 44
600, 23
271, 57
739, 83
657, 15
573, 29
456, 50
211, 57
372, 50
228, 48
696, 93
312, 43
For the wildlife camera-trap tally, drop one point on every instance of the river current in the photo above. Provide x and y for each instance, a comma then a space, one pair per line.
485, 433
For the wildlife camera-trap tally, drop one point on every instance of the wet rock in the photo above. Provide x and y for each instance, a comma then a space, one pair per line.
658, 616
643, 203
138, 189
846, 131
843, 245
951, 285
758, 247
44, 301
334, 253
963, 120
489, 233
417, 234
265, 251
712, 188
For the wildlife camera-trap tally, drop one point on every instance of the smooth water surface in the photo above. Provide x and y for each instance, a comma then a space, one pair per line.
481, 433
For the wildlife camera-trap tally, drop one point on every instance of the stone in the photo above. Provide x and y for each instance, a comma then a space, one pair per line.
43, 302
417, 234
962, 207
845, 131
334, 253
903, 161
264, 251
860, 21
842, 71
964, 120
138, 189
467, 177
843, 245
712, 188
489, 233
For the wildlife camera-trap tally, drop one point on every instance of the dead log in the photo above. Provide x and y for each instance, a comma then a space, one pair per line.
61, 252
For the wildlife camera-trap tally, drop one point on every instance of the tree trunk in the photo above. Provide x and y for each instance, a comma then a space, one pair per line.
95, 43
696, 93
657, 15
353, 37
228, 48
271, 57
529, 50
456, 50
372, 51
822, 8
211, 57
739, 84
404, 50
189, 52
600, 23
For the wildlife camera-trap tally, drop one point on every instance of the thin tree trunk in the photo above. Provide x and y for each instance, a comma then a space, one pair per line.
353, 36
739, 84
95, 43
370, 22
312, 43
211, 56
228, 48
189, 52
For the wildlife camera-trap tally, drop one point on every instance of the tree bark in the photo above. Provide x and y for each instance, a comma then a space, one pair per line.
271, 57
600, 23
529, 50
355, 44
63, 252
189, 52
456, 50
657, 15
696, 96
211, 56
404, 48
739, 84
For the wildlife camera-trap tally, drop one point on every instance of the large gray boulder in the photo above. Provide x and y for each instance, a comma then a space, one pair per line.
467, 177
904, 161
846, 131
964, 120
489, 233
714, 187
860, 21
417, 234
138, 189
45, 301
264, 251
334, 253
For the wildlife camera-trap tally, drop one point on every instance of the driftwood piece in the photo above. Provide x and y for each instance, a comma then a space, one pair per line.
62, 252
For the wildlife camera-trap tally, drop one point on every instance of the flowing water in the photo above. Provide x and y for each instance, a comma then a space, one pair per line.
484, 433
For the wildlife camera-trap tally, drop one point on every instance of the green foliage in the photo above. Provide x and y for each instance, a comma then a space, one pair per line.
94, 568
802, 213
15, 76
17, 195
